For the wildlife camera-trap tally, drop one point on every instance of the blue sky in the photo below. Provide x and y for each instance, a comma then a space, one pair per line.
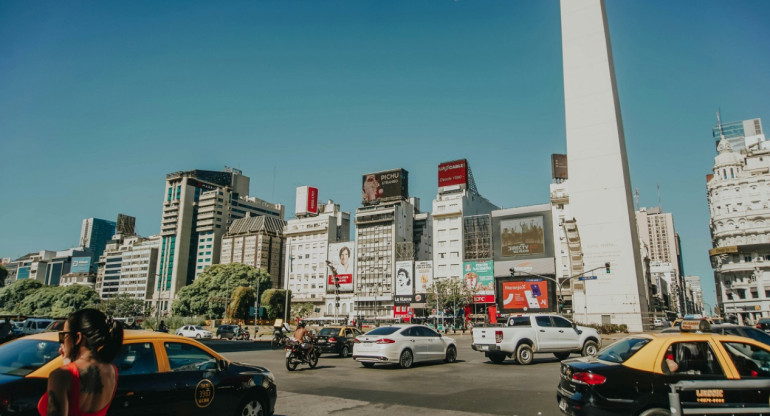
99, 100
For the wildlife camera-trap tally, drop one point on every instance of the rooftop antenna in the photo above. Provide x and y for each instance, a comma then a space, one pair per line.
719, 123
272, 198
659, 204
636, 198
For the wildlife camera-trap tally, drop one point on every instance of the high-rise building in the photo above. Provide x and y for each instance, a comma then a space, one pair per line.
94, 235
660, 243
128, 267
309, 239
739, 202
198, 208
740, 134
693, 284
126, 225
256, 242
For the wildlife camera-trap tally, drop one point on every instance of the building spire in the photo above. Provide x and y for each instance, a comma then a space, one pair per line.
719, 123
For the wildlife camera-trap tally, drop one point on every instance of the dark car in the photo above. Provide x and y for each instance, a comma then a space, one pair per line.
764, 324
337, 340
226, 331
158, 374
743, 331
632, 376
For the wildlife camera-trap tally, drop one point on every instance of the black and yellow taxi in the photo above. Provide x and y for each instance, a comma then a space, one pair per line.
337, 340
634, 375
158, 374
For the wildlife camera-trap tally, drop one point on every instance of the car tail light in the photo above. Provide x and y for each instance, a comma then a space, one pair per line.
332, 339
385, 341
357, 341
5, 400
589, 378
498, 336
759, 326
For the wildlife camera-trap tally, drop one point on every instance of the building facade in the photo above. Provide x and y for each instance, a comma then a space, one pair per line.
95, 233
128, 267
737, 132
660, 244
257, 242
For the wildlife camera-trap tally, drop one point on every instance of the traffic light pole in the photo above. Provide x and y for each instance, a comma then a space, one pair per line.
336, 288
559, 284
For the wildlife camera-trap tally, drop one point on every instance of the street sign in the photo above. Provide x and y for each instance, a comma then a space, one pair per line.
587, 278
522, 268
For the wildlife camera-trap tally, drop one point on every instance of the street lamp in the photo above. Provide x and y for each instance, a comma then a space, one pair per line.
336, 288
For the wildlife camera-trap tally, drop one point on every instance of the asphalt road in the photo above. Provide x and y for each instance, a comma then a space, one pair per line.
471, 386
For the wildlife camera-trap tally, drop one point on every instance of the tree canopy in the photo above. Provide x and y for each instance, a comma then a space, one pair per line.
3, 275
31, 298
12, 295
122, 306
274, 301
214, 289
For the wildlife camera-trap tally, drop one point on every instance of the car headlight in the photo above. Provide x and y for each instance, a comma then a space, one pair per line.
268, 376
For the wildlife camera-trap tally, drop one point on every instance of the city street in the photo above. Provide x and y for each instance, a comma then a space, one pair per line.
472, 385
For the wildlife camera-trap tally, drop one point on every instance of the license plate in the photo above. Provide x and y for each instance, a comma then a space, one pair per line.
322, 341
483, 347
562, 405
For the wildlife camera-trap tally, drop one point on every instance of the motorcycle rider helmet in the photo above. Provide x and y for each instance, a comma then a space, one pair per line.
301, 324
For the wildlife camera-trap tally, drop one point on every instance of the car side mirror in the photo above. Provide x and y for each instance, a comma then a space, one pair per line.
222, 365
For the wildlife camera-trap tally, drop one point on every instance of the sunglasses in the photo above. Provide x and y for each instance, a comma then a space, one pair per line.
63, 334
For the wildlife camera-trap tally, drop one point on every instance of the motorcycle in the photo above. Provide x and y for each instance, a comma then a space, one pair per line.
296, 355
242, 334
279, 340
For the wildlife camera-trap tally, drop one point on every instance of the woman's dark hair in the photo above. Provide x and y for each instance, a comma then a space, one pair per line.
103, 336
408, 279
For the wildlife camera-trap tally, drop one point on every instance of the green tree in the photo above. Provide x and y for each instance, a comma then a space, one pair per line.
39, 302
303, 310
213, 289
3, 275
122, 306
12, 295
243, 299
274, 301
73, 298
447, 294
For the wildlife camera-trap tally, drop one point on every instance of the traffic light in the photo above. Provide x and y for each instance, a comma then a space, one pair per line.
607, 267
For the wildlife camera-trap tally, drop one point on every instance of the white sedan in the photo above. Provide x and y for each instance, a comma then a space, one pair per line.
403, 345
193, 331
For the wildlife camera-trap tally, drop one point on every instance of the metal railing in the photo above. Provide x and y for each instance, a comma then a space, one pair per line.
716, 387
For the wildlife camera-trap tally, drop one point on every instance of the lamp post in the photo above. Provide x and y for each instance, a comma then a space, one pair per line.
559, 284
336, 288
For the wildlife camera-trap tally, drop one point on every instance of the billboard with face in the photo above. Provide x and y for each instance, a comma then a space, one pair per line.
453, 173
384, 186
522, 236
423, 279
479, 278
342, 256
525, 295
404, 278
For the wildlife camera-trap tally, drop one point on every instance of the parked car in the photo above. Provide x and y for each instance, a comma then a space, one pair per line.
226, 331
55, 325
193, 331
158, 374
337, 340
403, 345
35, 325
525, 335
657, 323
764, 324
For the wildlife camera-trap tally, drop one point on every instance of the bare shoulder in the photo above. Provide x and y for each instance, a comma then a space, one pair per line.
60, 378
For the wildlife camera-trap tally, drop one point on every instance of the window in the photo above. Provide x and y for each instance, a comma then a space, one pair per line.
544, 321
750, 361
622, 350
560, 322
136, 358
185, 357
693, 358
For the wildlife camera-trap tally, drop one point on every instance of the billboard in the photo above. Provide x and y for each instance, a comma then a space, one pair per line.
404, 286
384, 186
559, 166
522, 236
525, 295
453, 173
423, 279
479, 277
342, 257
81, 265
307, 200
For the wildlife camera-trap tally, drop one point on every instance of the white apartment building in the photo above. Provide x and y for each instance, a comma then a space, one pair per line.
307, 249
739, 202
128, 267
693, 285
658, 241
664, 277
256, 242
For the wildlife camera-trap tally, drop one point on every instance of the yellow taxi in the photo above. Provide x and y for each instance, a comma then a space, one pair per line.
634, 376
158, 374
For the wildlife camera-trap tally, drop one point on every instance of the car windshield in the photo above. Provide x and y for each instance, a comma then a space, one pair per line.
325, 332
385, 330
199, 328
19, 358
622, 350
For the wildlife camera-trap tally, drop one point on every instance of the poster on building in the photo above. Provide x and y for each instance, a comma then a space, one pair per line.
423, 279
453, 173
524, 295
522, 236
479, 278
307, 200
404, 278
342, 256
383, 186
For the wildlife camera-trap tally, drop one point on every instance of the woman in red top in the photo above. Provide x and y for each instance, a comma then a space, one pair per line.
86, 384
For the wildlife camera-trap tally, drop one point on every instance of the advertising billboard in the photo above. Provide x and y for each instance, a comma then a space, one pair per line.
479, 277
81, 265
559, 166
307, 200
453, 173
423, 279
520, 294
522, 236
383, 186
342, 256
404, 279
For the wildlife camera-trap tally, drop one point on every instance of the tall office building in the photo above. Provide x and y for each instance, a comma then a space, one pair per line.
659, 241
599, 180
740, 134
310, 237
128, 267
739, 202
198, 208
126, 225
94, 235
256, 242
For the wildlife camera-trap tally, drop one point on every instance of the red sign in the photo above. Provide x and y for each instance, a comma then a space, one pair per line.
525, 295
342, 278
312, 200
400, 311
483, 298
453, 173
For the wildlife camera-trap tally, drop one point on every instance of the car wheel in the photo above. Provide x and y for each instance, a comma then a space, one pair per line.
524, 354
497, 357
368, 365
655, 412
451, 354
561, 355
406, 360
345, 351
251, 407
198, 336
590, 348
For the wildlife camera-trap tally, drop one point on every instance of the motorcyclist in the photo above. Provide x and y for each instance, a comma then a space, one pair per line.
300, 334
6, 330
162, 327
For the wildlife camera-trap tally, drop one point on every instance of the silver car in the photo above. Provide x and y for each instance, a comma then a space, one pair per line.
403, 345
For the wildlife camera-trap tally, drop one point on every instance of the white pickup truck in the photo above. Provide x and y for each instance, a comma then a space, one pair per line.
525, 335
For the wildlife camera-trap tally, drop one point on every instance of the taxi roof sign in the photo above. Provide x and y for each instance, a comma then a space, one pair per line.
695, 325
